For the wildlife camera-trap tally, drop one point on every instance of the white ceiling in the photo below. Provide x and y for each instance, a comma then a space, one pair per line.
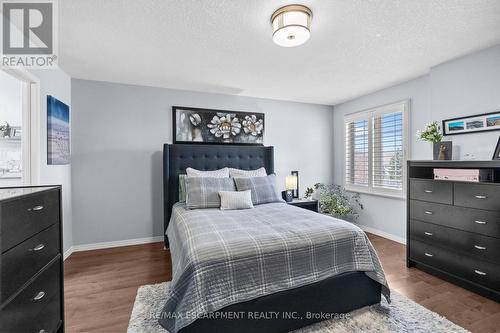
225, 46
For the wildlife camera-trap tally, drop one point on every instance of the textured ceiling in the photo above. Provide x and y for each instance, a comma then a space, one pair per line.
225, 46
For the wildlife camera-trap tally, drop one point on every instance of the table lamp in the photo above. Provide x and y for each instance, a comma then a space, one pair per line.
290, 186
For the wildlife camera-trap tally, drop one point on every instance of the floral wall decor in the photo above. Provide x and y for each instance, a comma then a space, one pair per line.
194, 125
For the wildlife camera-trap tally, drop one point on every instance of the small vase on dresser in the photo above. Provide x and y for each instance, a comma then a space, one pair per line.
453, 226
31, 265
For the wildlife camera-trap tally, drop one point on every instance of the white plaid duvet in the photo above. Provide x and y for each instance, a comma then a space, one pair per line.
221, 258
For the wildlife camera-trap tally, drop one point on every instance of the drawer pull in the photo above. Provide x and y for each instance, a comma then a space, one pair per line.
42, 331
428, 233
36, 208
480, 197
428, 191
480, 247
480, 222
38, 247
428, 254
39, 296
479, 272
428, 212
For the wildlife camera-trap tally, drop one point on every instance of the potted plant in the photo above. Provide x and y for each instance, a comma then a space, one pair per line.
441, 150
334, 200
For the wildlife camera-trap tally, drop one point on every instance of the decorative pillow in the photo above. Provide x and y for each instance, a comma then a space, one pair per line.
203, 192
221, 173
239, 173
182, 188
235, 200
263, 189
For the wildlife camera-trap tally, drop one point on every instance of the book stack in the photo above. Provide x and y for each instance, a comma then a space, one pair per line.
463, 175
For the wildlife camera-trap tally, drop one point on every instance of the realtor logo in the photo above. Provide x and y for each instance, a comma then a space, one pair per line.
29, 34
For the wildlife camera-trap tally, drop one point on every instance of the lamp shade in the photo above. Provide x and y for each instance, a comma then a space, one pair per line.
291, 25
291, 182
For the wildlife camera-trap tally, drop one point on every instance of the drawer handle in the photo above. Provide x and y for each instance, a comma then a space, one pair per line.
480, 222
36, 208
428, 191
480, 247
42, 331
428, 212
480, 197
479, 272
428, 254
38, 247
428, 233
39, 296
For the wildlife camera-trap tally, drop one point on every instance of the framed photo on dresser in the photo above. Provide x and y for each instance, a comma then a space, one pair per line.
496, 155
208, 126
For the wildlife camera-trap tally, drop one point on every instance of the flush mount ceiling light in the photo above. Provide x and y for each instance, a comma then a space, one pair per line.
291, 25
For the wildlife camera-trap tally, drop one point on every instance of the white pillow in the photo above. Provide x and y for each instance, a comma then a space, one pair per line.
235, 200
238, 173
221, 173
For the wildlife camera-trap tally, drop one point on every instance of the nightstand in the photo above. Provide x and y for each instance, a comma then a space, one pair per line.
306, 204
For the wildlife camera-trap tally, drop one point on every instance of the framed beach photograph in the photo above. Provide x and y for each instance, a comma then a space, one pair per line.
472, 124
58, 135
208, 126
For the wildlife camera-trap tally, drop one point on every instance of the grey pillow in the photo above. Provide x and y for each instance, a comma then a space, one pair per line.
203, 192
263, 189
239, 173
182, 188
235, 200
221, 173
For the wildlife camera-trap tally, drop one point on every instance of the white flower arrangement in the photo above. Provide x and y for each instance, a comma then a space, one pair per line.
431, 133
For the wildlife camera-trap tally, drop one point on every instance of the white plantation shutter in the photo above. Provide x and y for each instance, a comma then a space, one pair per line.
357, 143
375, 149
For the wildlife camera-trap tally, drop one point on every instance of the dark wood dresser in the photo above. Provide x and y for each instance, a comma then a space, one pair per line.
31, 264
453, 227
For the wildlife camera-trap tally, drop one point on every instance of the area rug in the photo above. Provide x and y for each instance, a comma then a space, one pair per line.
402, 315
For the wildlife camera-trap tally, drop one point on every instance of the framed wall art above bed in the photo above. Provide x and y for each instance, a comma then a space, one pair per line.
208, 126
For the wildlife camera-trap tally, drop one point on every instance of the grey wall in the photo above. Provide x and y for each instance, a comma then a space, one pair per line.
118, 133
464, 86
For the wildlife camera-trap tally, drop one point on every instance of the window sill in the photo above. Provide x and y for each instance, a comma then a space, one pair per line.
395, 196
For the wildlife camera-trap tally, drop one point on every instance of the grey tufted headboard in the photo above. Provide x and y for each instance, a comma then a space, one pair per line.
178, 157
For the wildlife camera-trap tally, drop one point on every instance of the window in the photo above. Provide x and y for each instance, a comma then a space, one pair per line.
376, 148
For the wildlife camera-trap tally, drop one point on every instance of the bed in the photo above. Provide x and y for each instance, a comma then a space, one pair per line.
274, 268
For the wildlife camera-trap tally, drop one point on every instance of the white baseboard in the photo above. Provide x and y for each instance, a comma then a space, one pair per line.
107, 245
383, 234
67, 253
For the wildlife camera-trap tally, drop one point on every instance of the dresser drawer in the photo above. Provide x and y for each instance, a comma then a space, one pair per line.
482, 196
24, 217
37, 307
477, 271
481, 247
430, 212
432, 191
23, 261
474, 220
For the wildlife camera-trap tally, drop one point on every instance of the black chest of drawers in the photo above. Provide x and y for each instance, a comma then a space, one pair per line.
31, 262
453, 228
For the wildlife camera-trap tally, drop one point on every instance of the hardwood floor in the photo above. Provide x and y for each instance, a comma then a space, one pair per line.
100, 287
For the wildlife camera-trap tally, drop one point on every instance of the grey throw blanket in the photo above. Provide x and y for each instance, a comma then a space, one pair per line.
221, 258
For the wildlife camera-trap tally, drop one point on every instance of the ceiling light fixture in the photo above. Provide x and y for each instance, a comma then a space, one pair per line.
291, 25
